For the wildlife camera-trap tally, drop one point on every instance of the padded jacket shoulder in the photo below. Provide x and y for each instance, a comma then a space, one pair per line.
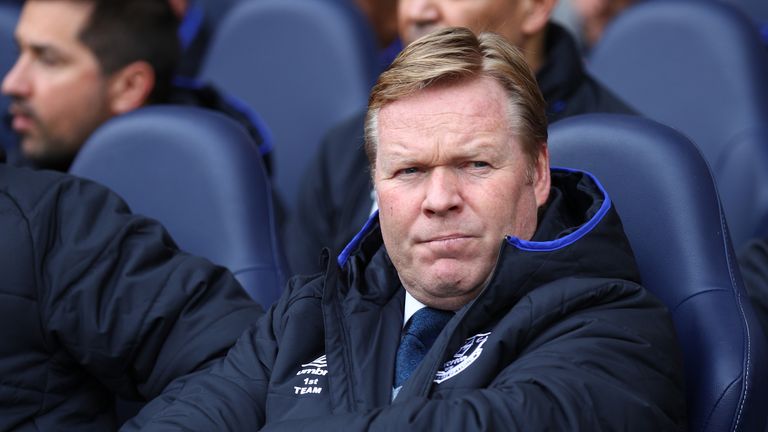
97, 302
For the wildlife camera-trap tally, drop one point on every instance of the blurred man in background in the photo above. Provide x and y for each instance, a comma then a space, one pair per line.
82, 62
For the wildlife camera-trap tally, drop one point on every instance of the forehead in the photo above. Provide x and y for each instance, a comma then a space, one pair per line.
52, 22
471, 107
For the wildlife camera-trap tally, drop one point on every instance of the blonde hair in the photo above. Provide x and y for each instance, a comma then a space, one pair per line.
452, 55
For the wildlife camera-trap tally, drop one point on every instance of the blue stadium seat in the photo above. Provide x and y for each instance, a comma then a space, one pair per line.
668, 202
9, 15
304, 65
699, 66
756, 9
200, 175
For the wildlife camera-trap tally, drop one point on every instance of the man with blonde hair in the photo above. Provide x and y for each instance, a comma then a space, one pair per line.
490, 292
336, 195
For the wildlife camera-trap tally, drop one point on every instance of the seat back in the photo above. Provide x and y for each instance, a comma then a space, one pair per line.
756, 9
304, 65
201, 176
668, 203
699, 66
9, 15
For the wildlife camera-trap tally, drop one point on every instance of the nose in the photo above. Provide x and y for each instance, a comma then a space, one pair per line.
418, 13
15, 82
443, 195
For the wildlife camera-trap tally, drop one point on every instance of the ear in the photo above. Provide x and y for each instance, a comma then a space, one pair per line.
130, 87
537, 14
542, 180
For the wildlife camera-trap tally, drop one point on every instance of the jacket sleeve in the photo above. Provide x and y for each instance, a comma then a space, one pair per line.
230, 396
123, 301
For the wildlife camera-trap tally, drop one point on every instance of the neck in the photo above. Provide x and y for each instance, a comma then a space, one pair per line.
533, 50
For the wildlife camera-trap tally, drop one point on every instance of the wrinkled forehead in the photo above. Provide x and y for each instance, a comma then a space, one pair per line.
469, 106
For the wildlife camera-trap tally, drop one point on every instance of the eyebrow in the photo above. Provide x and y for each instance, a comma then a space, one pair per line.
36, 47
481, 148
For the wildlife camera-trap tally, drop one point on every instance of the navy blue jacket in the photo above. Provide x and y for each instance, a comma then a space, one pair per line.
562, 339
96, 302
753, 260
335, 195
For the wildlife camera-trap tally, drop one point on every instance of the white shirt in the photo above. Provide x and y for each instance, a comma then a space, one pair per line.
411, 307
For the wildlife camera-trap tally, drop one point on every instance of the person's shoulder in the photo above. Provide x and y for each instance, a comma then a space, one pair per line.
302, 288
346, 134
342, 159
600, 99
21, 181
58, 202
576, 294
30, 188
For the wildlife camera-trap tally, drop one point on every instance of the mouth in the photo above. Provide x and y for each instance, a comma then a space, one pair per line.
21, 119
446, 240
448, 246
446, 237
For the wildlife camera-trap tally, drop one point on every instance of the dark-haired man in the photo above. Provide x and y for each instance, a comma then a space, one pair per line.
335, 196
81, 62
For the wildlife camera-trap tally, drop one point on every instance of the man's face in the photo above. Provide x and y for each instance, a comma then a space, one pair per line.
451, 181
419, 17
59, 93
382, 14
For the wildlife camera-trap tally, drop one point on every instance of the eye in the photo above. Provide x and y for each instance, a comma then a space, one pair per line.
476, 165
408, 171
46, 56
49, 59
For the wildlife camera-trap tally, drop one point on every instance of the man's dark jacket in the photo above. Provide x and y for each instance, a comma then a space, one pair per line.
753, 260
97, 303
335, 195
562, 339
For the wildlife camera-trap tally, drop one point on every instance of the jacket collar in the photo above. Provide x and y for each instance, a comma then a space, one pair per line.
563, 70
574, 223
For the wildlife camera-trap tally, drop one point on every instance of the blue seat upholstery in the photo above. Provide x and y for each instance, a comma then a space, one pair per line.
668, 202
9, 15
200, 174
304, 65
699, 66
756, 9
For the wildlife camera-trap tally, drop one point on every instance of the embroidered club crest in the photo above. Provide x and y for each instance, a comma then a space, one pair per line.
464, 357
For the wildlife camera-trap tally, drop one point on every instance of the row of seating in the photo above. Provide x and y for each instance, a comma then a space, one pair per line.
215, 200
696, 65
700, 67
657, 178
302, 65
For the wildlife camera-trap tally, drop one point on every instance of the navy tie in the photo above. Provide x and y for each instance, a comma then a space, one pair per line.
420, 334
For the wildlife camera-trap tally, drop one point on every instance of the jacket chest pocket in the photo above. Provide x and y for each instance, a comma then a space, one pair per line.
301, 394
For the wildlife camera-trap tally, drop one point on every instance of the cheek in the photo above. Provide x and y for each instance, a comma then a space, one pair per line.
510, 210
392, 210
465, 16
